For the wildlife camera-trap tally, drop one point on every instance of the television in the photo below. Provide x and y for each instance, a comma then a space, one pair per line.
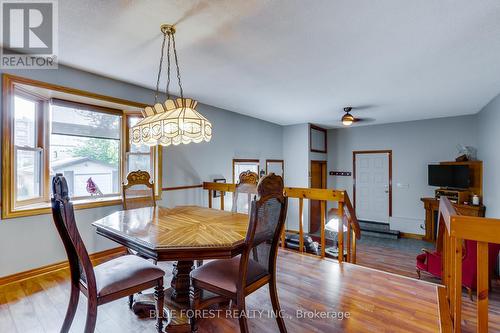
451, 176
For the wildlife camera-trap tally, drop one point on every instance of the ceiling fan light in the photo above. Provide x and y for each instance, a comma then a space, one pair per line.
347, 119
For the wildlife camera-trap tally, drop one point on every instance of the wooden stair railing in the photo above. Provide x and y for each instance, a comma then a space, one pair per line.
453, 230
344, 210
353, 229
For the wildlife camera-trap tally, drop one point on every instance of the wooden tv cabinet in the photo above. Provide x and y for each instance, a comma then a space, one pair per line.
431, 206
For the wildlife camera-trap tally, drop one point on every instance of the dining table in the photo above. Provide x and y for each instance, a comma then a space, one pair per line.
182, 234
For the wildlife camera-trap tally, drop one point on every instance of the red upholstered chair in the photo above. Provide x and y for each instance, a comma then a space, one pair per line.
430, 262
234, 279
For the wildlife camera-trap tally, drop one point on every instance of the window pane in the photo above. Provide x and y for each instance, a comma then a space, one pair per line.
90, 165
139, 162
28, 174
24, 122
73, 121
318, 139
275, 167
240, 167
136, 148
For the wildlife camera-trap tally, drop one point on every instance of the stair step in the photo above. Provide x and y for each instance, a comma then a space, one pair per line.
391, 232
377, 229
389, 235
367, 225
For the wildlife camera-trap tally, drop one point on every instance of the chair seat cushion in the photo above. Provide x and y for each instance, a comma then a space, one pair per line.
421, 261
224, 273
123, 273
430, 263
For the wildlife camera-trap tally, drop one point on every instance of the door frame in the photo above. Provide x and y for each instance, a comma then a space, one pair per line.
324, 182
359, 152
243, 160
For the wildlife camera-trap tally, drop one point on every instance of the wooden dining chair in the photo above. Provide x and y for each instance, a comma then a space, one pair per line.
138, 191
247, 185
234, 279
109, 281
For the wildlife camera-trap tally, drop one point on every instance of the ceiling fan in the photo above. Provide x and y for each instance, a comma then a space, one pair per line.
348, 119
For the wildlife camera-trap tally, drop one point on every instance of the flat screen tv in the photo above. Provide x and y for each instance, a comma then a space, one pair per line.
451, 176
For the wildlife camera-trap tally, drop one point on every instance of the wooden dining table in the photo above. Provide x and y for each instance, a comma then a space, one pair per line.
182, 234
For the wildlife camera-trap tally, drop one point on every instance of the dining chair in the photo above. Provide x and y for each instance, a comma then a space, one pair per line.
247, 184
138, 191
234, 279
109, 281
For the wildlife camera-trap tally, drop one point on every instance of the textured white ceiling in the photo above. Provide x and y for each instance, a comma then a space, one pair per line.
296, 61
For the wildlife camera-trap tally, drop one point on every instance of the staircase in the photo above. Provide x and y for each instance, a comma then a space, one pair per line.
376, 229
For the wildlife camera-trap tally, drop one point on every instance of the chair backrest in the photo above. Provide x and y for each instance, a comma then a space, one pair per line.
267, 218
138, 190
64, 218
469, 261
247, 184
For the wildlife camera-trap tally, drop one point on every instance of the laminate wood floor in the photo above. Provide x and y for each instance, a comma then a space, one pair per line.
375, 301
398, 256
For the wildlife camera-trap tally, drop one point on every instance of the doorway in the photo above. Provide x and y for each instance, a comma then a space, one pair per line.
318, 180
372, 185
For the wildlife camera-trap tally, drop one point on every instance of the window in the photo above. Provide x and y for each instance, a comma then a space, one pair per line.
85, 148
317, 139
27, 148
138, 156
242, 165
275, 166
52, 129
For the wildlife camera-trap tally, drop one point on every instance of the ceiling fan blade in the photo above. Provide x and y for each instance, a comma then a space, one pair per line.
363, 107
365, 120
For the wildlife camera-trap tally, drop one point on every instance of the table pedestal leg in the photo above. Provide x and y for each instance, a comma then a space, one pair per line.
180, 281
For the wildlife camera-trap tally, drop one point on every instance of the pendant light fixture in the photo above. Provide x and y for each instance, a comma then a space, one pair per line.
175, 121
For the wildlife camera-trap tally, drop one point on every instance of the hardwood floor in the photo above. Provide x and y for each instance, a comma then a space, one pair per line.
398, 256
375, 301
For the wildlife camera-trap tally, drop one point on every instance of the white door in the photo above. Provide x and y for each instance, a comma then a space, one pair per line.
372, 187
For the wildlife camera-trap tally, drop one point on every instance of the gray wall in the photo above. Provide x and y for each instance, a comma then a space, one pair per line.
235, 136
30, 242
296, 156
489, 153
414, 145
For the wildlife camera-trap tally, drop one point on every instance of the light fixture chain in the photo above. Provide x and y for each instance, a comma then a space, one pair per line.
177, 66
168, 68
159, 67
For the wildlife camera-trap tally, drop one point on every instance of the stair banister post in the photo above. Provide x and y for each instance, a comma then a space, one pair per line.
301, 227
348, 240
340, 231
